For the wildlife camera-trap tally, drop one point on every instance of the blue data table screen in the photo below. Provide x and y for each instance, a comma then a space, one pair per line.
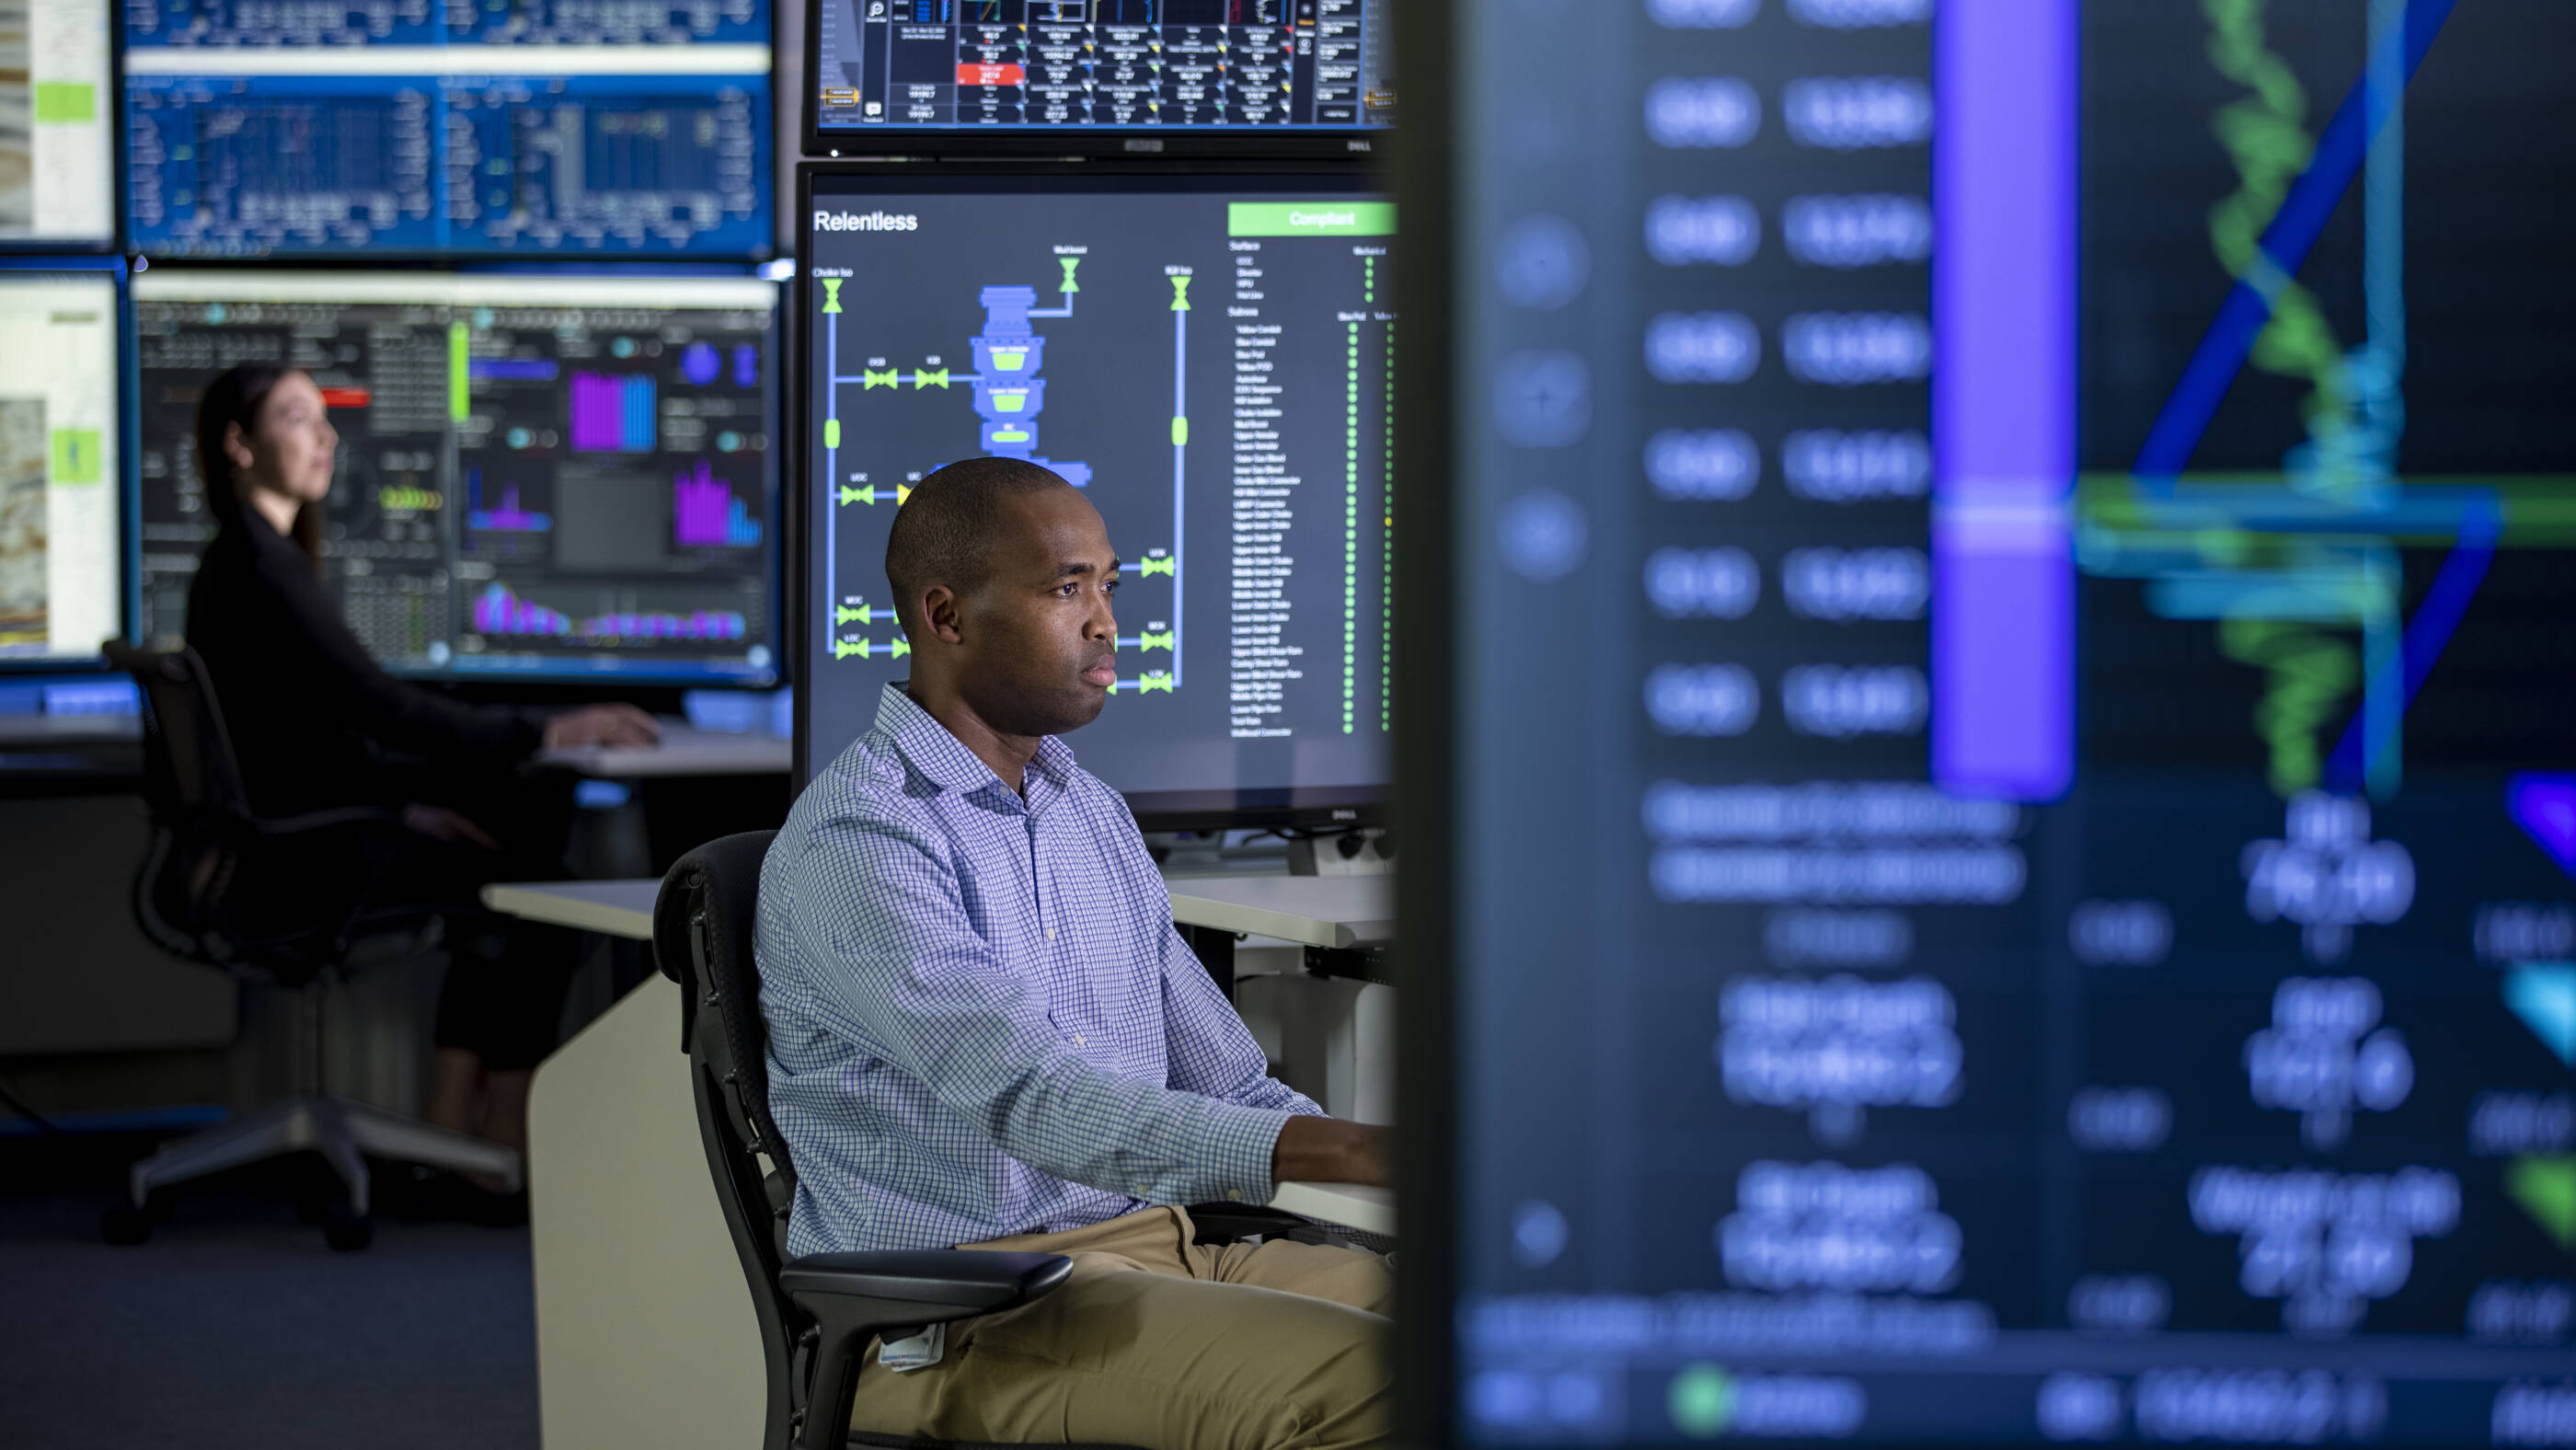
242, 165
585, 165
254, 24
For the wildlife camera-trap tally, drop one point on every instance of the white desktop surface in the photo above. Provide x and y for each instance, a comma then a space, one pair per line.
684, 750
1352, 1205
611, 908
1323, 911
1317, 911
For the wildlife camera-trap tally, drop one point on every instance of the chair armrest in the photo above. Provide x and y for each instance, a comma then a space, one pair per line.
856, 1297
928, 1282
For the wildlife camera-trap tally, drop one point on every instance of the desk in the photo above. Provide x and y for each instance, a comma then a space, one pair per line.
1340, 913
622, 909
685, 750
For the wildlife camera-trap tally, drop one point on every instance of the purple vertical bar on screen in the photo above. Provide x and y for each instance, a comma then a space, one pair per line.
2003, 397
597, 413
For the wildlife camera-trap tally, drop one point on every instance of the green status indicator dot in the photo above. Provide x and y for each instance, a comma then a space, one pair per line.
1703, 1401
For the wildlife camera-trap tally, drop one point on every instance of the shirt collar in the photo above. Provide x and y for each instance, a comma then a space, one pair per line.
945, 761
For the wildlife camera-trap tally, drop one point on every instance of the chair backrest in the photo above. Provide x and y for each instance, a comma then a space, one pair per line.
192, 788
188, 761
702, 936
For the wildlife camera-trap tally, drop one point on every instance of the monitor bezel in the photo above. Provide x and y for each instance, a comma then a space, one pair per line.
883, 143
111, 269
1328, 807
777, 405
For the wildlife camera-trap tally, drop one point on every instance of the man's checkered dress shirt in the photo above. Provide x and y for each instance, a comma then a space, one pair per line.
981, 1020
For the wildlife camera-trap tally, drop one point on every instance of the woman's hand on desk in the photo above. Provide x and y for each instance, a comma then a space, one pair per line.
1329, 1150
441, 824
612, 725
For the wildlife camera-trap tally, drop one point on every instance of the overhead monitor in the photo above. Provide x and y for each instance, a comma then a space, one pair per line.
1160, 77
539, 475
62, 466
1209, 359
223, 25
599, 152
2006, 861
57, 119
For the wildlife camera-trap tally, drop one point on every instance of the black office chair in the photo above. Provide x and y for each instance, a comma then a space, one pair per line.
818, 1313
204, 833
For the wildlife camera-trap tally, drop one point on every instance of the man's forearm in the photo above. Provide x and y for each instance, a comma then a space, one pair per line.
1329, 1150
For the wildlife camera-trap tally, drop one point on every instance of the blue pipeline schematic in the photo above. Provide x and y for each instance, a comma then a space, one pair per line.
1214, 374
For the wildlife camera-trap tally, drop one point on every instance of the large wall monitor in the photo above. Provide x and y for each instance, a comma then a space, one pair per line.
1210, 358
1176, 76
540, 475
57, 126
253, 25
602, 151
2011, 826
62, 462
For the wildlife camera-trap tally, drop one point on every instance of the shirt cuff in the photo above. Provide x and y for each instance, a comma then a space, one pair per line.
1241, 1143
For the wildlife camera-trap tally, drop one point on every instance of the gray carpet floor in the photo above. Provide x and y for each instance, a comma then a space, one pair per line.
236, 1327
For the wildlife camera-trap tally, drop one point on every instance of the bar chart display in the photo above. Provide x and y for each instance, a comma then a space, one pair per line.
1212, 362
62, 457
2070, 935
57, 137
538, 474
1035, 66
230, 160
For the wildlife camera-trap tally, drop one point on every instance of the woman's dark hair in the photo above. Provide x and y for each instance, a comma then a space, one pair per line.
232, 400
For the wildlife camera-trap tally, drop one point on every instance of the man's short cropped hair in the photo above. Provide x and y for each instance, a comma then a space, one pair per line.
943, 534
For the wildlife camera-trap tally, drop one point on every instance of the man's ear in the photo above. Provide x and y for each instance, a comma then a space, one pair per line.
940, 610
237, 446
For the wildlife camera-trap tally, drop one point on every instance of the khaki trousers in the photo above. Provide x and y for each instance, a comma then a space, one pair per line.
1159, 1343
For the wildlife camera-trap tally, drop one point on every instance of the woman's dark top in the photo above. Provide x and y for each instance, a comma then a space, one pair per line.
314, 721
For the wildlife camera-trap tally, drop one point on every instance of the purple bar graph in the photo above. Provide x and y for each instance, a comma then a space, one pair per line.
2003, 398
499, 611
704, 511
509, 518
612, 412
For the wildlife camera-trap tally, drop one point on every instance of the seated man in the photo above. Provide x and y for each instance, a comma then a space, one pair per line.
984, 1031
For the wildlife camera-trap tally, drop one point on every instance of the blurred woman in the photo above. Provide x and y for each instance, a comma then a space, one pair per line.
316, 724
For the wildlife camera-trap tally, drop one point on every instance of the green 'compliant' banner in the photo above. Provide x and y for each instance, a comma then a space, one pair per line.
1310, 219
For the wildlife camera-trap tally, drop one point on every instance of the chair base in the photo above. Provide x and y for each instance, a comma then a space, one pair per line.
340, 1129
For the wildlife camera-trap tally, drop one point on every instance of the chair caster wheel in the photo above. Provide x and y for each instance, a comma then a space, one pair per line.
346, 1230
125, 1225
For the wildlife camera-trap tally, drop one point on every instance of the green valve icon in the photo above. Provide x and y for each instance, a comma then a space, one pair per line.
875, 378
855, 614
1168, 639
1180, 294
930, 378
831, 432
1069, 264
831, 294
1168, 564
1156, 680
1703, 1401
867, 649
